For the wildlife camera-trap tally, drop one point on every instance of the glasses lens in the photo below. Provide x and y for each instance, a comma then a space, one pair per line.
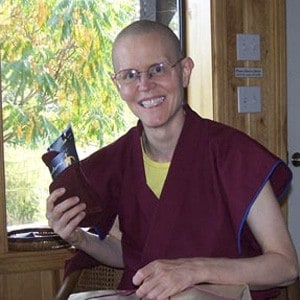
157, 70
131, 75
127, 76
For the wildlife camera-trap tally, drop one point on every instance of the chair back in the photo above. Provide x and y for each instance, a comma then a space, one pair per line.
101, 277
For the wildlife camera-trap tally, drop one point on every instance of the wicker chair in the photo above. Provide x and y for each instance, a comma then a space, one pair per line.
97, 278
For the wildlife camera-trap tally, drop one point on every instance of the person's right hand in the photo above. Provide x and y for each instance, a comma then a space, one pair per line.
65, 217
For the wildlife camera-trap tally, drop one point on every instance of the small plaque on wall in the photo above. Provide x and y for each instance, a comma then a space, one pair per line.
248, 72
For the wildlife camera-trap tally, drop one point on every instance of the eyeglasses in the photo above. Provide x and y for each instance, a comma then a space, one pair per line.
131, 76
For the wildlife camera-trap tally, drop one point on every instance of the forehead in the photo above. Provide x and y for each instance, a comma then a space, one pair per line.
142, 50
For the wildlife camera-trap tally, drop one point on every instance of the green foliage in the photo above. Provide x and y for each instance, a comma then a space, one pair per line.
56, 63
24, 181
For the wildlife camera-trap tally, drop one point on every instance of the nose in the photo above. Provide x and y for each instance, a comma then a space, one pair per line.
145, 81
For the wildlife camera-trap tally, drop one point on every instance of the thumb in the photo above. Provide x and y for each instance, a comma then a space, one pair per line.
138, 278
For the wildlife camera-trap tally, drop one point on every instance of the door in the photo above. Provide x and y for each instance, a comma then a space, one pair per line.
293, 72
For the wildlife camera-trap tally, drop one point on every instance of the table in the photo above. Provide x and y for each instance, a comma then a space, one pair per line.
198, 292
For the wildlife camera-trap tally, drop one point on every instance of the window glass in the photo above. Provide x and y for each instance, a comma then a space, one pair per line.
55, 71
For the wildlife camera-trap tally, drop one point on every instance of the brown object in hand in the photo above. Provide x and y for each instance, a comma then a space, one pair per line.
76, 184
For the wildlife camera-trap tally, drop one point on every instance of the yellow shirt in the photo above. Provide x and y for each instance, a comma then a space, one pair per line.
156, 173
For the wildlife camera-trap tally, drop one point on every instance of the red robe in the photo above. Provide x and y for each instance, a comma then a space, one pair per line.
213, 180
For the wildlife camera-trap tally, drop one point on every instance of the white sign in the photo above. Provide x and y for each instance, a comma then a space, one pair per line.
248, 72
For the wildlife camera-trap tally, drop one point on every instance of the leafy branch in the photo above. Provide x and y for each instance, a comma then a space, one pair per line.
56, 61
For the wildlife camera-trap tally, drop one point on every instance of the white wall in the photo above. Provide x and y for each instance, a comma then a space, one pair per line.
293, 65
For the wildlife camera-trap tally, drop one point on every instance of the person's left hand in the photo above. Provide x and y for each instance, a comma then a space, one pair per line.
161, 279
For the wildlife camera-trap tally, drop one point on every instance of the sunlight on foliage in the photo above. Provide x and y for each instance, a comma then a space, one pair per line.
56, 63
55, 69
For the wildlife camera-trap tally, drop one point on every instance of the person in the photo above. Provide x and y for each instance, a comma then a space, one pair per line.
196, 200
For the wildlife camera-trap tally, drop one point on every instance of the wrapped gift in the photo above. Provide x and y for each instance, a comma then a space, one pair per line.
64, 166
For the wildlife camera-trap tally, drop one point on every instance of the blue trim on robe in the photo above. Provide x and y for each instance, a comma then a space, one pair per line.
99, 233
244, 219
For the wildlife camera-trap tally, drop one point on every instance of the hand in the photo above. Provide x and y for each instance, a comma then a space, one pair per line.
65, 217
161, 279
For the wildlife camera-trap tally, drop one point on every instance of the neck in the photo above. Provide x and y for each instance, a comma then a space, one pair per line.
160, 143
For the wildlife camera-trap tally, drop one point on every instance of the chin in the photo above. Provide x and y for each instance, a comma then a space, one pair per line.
154, 124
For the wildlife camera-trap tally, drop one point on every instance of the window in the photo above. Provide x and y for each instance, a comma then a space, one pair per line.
55, 61
55, 71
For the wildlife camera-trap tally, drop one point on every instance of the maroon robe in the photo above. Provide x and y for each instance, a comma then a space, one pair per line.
213, 180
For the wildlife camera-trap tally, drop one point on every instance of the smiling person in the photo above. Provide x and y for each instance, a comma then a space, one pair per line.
197, 201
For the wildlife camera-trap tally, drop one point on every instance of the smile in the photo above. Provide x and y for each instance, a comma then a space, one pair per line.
152, 102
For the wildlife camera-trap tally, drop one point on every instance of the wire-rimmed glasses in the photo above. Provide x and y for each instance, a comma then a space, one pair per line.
132, 76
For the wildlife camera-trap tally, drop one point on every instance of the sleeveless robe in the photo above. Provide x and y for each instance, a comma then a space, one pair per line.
214, 178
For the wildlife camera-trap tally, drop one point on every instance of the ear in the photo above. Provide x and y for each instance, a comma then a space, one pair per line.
187, 66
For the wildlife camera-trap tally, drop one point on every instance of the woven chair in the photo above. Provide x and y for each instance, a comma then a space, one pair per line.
97, 278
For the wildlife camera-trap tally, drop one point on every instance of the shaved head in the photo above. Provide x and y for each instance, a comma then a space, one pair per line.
143, 27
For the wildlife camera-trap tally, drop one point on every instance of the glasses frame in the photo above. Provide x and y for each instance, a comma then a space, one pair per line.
137, 74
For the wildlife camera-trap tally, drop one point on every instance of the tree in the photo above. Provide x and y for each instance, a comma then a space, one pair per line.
56, 68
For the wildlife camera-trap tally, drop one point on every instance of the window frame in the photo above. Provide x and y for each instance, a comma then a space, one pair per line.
3, 230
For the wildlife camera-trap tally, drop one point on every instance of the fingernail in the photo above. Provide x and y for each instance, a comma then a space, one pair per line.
62, 190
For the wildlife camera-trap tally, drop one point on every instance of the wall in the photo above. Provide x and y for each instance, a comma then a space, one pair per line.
266, 18
216, 97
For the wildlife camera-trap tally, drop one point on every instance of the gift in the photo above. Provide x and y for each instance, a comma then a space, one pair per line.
65, 168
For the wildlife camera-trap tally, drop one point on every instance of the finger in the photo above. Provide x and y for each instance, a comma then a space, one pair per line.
61, 214
53, 197
71, 213
64, 212
140, 276
68, 221
69, 232
66, 205
155, 288
144, 273
156, 292
150, 288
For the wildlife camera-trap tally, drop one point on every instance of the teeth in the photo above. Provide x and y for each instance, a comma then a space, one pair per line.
152, 102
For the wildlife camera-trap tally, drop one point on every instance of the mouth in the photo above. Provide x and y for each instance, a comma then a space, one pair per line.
152, 102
